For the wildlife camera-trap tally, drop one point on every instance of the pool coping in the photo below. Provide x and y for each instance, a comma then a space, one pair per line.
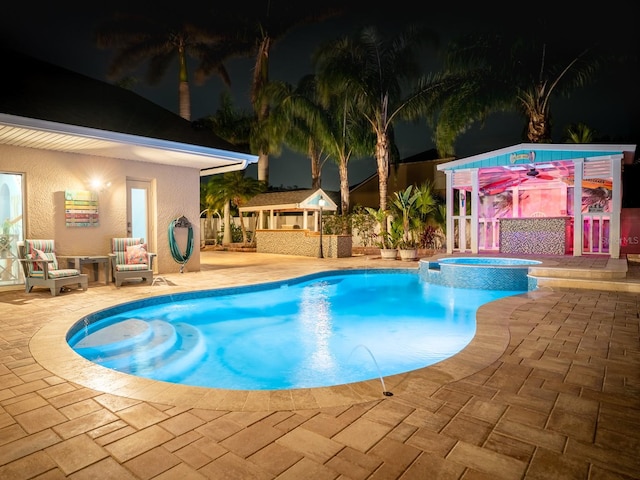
50, 348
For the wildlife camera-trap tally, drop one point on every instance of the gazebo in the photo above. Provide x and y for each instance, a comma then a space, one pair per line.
537, 199
289, 209
289, 223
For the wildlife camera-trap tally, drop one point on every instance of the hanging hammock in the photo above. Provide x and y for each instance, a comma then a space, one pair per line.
179, 257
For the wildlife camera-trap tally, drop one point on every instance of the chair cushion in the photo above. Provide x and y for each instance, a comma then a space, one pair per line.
136, 254
65, 272
48, 256
47, 249
119, 248
131, 267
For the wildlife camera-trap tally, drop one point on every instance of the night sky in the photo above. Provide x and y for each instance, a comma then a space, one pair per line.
63, 35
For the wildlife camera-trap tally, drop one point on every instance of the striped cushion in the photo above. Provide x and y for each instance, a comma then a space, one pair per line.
41, 249
130, 267
65, 272
119, 248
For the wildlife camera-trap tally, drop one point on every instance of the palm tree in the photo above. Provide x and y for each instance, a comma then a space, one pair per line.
238, 190
160, 39
325, 124
211, 204
292, 112
252, 28
579, 133
507, 72
374, 73
230, 123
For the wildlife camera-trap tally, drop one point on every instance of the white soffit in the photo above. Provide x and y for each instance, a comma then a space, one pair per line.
42, 134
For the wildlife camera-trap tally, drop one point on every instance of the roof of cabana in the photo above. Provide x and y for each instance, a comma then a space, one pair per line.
290, 201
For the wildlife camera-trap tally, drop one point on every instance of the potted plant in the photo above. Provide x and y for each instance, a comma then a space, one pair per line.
408, 221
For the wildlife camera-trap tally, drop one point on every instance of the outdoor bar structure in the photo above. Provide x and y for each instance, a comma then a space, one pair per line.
289, 223
537, 199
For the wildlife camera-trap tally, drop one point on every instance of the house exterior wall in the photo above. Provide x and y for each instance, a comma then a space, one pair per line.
48, 174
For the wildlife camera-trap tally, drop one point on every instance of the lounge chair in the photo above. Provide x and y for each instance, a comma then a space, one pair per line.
130, 259
40, 266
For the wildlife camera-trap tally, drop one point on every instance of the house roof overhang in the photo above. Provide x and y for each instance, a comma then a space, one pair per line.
47, 135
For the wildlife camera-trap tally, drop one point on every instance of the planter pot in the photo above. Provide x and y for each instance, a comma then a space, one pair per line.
388, 253
409, 254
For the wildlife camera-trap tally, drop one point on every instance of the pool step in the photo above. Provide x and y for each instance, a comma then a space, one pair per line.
154, 349
611, 278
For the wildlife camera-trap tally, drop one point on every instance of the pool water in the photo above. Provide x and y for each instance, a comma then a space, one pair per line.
314, 331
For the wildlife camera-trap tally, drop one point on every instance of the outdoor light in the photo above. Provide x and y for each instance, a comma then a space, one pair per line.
98, 185
321, 203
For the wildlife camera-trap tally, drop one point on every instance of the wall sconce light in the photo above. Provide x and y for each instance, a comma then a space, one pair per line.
99, 186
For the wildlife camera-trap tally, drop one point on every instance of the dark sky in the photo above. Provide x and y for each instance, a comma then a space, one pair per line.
62, 34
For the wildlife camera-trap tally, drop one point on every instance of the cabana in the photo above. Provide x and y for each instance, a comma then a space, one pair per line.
289, 223
289, 209
537, 199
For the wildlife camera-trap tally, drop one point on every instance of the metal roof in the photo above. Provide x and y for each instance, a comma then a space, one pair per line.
533, 153
293, 200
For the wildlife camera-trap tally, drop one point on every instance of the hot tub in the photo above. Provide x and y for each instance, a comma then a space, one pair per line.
490, 273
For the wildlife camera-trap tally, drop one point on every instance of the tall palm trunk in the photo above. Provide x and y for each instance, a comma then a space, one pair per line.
344, 186
183, 85
382, 159
260, 105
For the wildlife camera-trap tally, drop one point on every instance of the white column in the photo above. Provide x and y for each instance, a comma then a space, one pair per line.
578, 228
449, 206
462, 220
475, 207
616, 207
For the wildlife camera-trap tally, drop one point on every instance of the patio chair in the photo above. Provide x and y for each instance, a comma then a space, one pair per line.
40, 266
130, 260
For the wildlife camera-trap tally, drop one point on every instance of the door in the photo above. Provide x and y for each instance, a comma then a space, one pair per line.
139, 218
12, 231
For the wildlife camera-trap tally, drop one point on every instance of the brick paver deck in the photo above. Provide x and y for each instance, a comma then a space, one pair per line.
548, 389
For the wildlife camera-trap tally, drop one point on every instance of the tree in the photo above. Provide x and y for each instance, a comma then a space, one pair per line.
381, 78
292, 114
252, 27
159, 38
579, 133
512, 71
234, 189
325, 124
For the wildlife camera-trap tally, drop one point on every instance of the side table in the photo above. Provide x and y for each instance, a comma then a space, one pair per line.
77, 261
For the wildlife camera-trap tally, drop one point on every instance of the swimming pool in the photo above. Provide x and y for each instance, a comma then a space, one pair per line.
318, 330
495, 273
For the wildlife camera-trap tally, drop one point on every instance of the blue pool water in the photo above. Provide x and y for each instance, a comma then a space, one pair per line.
319, 330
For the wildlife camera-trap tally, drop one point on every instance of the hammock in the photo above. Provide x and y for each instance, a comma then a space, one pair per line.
179, 257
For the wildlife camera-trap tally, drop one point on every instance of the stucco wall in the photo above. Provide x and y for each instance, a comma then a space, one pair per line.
176, 192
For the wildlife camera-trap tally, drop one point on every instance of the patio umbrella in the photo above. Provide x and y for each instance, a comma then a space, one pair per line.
178, 256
